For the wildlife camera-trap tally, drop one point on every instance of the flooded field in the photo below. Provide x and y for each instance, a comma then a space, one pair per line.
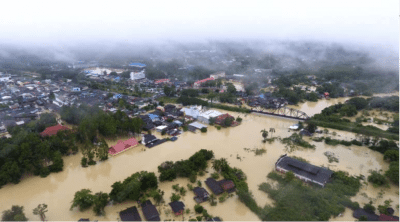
312, 108
57, 190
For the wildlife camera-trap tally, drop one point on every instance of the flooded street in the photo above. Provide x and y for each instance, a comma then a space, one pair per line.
58, 189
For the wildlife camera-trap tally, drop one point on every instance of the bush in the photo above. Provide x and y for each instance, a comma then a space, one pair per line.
377, 179
198, 209
215, 175
357, 143
218, 127
369, 208
193, 178
393, 172
391, 155
203, 130
185, 128
84, 162
190, 187
175, 197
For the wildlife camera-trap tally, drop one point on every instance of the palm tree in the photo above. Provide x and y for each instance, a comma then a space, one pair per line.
212, 199
264, 134
272, 130
40, 210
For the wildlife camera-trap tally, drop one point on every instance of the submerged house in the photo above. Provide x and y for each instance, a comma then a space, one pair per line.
147, 138
130, 214
178, 207
150, 212
201, 194
303, 170
122, 146
214, 186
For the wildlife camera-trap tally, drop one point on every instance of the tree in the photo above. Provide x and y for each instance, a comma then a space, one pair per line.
175, 197
231, 89
212, 200
100, 202
211, 96
391, 155
272, 130
83, 199
311, 127
264, 134
198, 208
40, 210
203, 130
228, 121
238, 119
52, 96
15, 214
393, 172
369, 208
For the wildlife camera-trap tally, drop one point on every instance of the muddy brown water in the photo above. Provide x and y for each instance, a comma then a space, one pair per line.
57, 190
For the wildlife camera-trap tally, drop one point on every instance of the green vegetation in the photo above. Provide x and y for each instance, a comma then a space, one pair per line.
393, 172
83, 199
377, 179
331, 157
133, 187
295, 201
331, 117
391, 155
40, 210
296, 140
15, 214
203, 130
185, 168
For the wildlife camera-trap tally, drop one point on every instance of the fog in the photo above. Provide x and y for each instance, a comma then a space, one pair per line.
359, 31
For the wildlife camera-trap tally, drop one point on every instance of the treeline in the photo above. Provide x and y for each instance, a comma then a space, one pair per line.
92, 120
28, 152
308, 203
185, 168
296, 95
331, 117
139, 186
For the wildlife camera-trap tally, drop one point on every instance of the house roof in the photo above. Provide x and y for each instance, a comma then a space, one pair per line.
226, 184
200, 191
198, 125
177, 206
130, 214
52, 130
214, 186
122, 146
150, 212
307, 170
384, 217
148, 138
361, 212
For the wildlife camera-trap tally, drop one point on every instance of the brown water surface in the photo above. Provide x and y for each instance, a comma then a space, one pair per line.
57, 190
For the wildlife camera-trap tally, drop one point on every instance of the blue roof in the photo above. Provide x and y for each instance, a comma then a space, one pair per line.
152, 116
137, 64
261, 96
117, 78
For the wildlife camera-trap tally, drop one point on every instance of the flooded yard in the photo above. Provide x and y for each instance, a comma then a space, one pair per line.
58, 189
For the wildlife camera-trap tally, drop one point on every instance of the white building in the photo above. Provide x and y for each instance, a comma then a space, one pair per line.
218, 75
192, 111
138, 75
204, 117
4, 78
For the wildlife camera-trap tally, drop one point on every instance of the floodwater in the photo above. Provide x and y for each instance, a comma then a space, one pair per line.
312, 108
57, 190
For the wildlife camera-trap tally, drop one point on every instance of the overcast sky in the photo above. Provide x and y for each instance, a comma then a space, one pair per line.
55, 22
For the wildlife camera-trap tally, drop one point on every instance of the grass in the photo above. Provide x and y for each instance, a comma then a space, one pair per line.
356, 128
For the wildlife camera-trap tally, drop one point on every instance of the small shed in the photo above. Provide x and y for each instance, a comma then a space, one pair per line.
150, 212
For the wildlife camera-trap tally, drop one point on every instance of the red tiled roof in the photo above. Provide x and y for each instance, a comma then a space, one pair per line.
228, 185
204, 80
122, 146
384, 217
52, 130
161, 80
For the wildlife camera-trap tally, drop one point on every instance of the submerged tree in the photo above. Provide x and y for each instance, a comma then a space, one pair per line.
40, 210
264, 134
15, 214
